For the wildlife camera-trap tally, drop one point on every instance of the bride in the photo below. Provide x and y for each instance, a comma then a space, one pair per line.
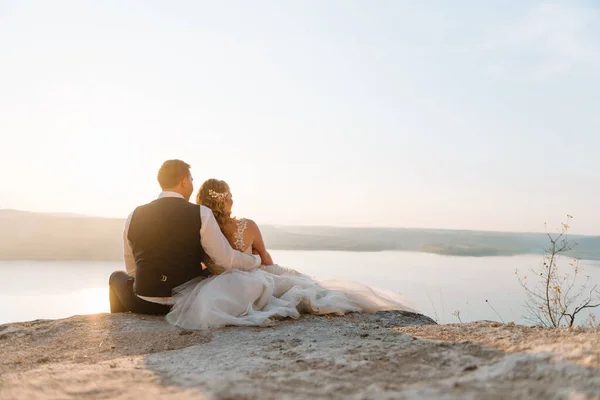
257, 297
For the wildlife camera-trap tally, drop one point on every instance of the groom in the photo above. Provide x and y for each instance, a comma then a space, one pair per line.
165, 242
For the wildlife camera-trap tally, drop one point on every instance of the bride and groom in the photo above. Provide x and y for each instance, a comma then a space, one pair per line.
203, 268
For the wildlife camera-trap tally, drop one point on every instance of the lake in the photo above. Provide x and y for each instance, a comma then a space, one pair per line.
435, 285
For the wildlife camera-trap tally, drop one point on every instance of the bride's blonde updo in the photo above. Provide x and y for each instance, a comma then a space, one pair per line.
212, 194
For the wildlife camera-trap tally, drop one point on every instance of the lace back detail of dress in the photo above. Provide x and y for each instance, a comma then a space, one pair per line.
239, 235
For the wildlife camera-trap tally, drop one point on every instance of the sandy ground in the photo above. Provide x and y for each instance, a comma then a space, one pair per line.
389, 355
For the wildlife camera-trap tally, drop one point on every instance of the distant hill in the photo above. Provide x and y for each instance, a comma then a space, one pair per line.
37, 236
438, 241
26, 235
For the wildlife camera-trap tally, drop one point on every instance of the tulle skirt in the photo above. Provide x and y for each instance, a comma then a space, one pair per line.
260, 297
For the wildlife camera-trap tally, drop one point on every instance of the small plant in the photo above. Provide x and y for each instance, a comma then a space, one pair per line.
555, 299
593, 322
436, 318
493, 309
456, 313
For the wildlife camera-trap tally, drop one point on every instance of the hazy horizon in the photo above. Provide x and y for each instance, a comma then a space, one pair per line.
40, 236
78, 215
461, 116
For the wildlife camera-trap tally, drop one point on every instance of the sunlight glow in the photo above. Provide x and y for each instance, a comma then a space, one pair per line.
95, 300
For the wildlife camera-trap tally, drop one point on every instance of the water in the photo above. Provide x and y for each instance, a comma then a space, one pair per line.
436, 285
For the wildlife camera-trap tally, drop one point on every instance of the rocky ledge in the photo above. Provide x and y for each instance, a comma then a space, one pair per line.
386, 355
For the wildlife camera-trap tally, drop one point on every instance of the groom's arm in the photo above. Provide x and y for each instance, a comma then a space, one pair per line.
127, 252
218, 248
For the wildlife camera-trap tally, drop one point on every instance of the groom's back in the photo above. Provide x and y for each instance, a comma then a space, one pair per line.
165, 240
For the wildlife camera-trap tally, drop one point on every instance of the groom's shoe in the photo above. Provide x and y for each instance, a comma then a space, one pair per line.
115, 304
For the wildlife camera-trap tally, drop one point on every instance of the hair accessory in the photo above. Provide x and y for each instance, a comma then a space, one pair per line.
217, 196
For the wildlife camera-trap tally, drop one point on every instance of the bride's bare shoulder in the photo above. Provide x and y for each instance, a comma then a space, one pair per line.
251, 225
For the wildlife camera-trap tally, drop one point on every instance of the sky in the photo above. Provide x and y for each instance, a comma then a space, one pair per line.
436, 114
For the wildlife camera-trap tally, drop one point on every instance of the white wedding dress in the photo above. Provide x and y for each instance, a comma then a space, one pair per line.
259, 297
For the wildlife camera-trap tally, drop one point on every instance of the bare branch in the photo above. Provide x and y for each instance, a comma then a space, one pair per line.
552, 296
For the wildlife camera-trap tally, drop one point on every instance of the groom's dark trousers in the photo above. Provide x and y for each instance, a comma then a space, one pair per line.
123, 298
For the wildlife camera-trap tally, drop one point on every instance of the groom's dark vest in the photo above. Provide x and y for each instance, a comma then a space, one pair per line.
165, 239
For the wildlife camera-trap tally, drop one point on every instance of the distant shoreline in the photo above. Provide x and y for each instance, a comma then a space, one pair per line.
50, 237
478, 255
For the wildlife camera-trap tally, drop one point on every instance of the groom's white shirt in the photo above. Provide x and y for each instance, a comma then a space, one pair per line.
212, 240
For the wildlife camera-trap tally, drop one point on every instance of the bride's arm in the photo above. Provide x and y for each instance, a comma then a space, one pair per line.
258, 245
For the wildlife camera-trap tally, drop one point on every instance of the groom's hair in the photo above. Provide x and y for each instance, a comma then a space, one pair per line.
172, 172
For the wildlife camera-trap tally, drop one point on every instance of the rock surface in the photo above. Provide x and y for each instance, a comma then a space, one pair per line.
386, 355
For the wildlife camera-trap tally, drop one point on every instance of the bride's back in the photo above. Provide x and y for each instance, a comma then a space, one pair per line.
240, 234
